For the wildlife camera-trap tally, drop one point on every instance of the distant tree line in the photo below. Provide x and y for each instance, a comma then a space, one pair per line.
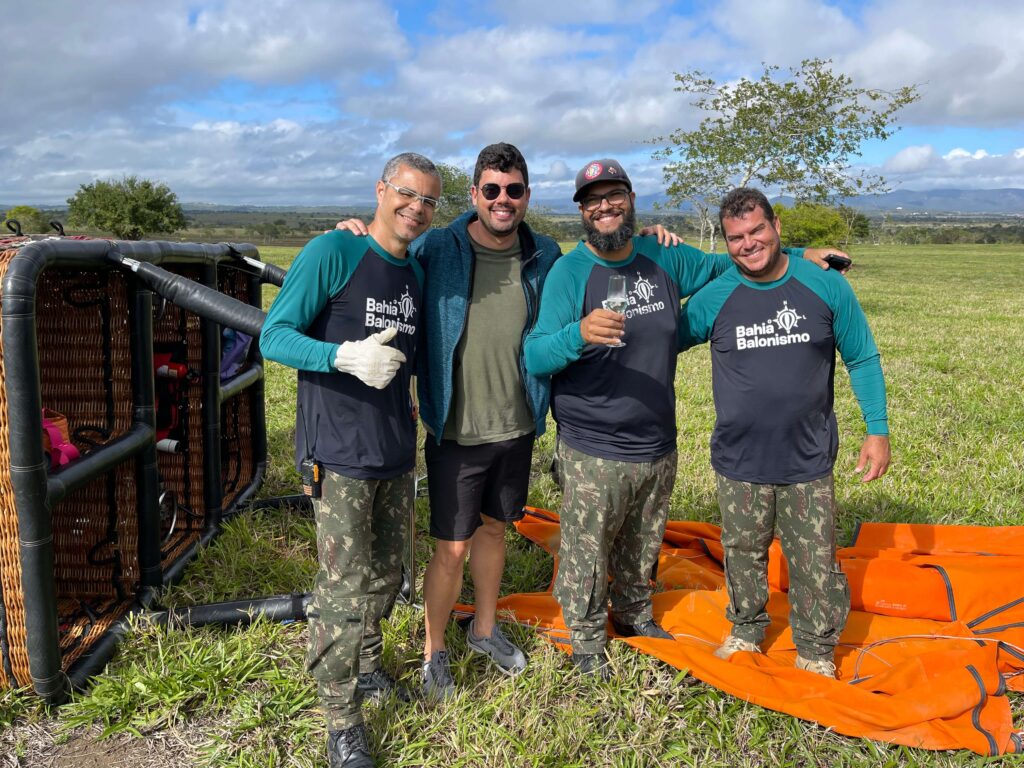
951, 234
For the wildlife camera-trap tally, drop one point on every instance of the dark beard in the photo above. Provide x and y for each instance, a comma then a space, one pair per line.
613, 241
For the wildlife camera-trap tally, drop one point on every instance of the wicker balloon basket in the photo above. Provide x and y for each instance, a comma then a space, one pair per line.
155, 463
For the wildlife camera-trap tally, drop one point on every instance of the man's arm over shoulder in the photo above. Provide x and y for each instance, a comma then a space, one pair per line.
697, 316
690, 268
556, 340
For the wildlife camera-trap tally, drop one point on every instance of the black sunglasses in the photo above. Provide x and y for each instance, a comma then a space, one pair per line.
514, 191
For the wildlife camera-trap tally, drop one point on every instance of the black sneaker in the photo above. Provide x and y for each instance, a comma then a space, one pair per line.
647, 628
378, 684
592, 664
348, 748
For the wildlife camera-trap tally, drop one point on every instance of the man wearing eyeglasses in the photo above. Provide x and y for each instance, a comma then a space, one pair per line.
613, 398
483, 409
348, 318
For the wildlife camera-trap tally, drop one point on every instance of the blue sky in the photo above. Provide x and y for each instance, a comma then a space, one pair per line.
281, 103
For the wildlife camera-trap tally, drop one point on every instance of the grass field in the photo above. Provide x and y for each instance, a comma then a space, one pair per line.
948, 321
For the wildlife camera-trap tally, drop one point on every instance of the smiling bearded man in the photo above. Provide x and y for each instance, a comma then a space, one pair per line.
615, 408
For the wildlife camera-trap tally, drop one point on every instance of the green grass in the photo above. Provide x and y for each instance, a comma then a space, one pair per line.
948, 323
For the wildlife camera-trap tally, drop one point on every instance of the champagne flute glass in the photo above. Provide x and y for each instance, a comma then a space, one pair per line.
616, 301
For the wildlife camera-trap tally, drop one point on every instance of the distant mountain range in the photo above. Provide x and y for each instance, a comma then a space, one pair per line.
1007, 202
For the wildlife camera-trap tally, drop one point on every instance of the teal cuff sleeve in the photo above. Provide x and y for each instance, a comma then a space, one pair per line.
869, 388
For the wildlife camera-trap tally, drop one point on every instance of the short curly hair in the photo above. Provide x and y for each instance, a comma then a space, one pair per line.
742, 201
500, 157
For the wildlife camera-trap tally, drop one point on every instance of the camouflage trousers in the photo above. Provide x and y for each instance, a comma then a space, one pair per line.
613, 520
361, 529
819, 597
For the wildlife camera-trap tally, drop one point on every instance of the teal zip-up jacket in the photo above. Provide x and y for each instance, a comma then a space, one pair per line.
446, 255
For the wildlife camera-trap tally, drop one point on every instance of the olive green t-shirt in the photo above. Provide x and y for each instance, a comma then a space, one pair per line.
488, 401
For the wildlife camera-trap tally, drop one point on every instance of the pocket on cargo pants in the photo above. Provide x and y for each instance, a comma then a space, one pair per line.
838, 597
335, 637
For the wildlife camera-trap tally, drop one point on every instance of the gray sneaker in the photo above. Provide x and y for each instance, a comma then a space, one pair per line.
508, 658
437, 677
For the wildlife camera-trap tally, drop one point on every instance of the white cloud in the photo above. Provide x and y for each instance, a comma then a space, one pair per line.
962, 154
781, 31
910, 160
961, 54
582, 11
277, 100
73, 63
922, 168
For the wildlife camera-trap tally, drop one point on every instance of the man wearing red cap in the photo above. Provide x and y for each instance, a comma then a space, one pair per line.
613, 398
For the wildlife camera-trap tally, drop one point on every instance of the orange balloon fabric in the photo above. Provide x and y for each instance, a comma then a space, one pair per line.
934, 640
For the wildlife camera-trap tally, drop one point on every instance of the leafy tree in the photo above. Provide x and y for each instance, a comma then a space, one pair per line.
811, 225
542, 220
130, 208
705, 204
858, 225
795, 135
31, 220
455, 200
266, 229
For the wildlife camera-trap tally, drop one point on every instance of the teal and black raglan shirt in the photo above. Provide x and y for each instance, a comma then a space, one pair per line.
617, 403
772, 368
345, 288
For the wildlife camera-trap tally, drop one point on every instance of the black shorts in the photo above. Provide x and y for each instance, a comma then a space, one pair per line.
467, 481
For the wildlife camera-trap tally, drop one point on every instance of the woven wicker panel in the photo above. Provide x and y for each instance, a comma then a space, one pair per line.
83, 349
10, 558
237, 467
85, 373
83, 338
236, 457
182, 473
87, 625
84, 359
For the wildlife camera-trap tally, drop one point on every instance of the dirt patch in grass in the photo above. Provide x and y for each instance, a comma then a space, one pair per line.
42, 745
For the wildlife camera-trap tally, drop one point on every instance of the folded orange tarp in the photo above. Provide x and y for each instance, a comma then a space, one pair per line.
935, 638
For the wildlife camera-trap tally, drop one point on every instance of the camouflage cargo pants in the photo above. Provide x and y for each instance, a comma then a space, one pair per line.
819, 597
361, 528
613, 520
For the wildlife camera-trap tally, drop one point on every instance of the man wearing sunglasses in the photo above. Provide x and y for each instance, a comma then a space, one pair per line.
483, 409
615, 408
348, 318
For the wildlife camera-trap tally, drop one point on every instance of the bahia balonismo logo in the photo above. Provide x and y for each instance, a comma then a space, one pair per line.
396, 313
641, 298
773, 333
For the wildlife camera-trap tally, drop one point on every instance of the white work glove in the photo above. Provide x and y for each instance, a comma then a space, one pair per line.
369, 360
